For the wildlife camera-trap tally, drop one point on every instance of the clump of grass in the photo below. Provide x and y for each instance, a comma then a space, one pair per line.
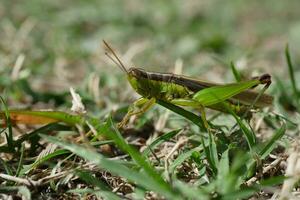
213, 158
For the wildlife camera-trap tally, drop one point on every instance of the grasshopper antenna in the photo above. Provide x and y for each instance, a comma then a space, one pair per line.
117, 61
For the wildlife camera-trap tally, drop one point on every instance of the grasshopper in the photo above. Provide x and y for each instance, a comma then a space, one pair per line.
186, 91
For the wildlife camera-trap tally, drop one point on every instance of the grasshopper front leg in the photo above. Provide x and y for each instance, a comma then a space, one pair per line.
139, 107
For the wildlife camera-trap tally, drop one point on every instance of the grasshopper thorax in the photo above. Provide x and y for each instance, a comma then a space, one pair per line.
158, 85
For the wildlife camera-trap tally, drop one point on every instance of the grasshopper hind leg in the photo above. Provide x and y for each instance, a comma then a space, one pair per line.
197, 106
139, 107
203, 117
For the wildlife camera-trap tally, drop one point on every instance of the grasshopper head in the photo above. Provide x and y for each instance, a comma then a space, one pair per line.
141, 82
265, 79
136, 72
135, 76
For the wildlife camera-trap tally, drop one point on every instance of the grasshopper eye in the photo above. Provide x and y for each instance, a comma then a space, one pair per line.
133, 72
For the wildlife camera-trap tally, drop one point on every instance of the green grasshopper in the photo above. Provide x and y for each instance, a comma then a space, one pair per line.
185, 91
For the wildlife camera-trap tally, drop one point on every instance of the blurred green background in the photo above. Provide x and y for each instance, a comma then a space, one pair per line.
60, 43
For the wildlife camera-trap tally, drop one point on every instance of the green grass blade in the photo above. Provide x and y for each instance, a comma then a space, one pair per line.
292, 76
235, 72
213, 95
110, 131
9, 136
44, 117
82, 191
44, 129
209, 156
20, 160
275, 180
184, 113
230, 173
182, 157
270, 145
243, 193
6, 167
190, 191
223, 172
102, 142
28, 168
22, 190
90, 179
213, 149
116, 168
159, 141
249, 134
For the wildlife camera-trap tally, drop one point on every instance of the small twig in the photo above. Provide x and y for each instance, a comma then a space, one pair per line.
17, 67
45, 180
258, 123
178, 144
292, 171
154, 154
27, 182
94, 89
265, 170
